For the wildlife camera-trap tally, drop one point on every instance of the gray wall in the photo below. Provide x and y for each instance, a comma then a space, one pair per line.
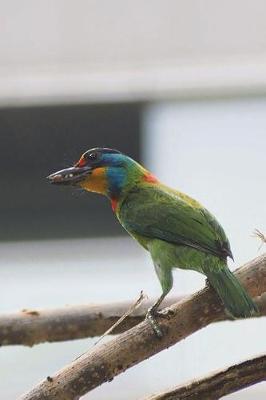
37, 141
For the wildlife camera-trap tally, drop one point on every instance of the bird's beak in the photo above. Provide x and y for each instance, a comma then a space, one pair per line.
70, 176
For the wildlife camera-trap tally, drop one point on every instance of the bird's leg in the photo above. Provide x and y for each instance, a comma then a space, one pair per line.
151, 314
165, 276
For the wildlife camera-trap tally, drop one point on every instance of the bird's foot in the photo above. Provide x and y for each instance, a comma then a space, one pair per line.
166, 313
207, 283
151, 318
151, 315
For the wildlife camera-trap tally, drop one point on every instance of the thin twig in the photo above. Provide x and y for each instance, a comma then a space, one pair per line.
131, 309
261, 236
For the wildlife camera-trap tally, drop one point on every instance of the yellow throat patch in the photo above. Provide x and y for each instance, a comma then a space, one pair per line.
96, 181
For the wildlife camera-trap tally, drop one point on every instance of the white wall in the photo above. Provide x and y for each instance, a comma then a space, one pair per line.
54, 51
121, 32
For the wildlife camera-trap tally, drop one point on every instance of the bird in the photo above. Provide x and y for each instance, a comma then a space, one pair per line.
175, 229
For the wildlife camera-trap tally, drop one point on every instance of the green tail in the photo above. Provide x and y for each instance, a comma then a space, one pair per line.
234, 297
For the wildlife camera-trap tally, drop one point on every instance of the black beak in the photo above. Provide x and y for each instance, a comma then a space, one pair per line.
69, 176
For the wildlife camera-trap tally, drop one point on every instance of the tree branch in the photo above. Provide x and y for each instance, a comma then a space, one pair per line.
102, 363
219, 384
30, 327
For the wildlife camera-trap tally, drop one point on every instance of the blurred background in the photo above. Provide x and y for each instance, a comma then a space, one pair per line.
178, 85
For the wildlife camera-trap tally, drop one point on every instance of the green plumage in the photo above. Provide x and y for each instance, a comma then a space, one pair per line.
180, 233
176, 230
155, 211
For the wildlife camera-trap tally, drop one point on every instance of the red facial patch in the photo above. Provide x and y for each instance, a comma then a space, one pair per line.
150, 178
81, 162
114, 203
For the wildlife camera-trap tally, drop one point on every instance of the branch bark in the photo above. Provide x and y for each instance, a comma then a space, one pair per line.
30, 327
102, 363
219, 384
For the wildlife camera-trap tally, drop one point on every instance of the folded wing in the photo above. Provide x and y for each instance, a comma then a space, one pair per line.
173, 217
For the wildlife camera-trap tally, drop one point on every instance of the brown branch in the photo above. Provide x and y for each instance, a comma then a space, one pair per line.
30, 327
219, 384
102, 363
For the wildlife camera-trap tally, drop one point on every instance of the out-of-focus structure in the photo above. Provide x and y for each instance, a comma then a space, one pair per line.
180, 85
98, 51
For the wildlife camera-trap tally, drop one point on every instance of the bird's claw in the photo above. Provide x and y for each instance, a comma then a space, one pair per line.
151, 315
151, 318
207, 283
166, 313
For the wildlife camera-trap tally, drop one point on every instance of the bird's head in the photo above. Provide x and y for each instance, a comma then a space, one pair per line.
101, 170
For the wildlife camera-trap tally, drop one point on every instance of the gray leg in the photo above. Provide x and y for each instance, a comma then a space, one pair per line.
166, 279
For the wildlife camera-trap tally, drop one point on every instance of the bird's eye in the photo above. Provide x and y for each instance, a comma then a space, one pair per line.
91, 156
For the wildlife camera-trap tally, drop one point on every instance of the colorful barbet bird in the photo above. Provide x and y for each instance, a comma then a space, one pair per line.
177, 231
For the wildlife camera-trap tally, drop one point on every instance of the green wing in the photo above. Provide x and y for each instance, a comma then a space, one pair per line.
161, 213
